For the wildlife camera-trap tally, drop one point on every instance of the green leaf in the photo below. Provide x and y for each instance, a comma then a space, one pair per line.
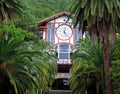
93, 7
12, 81
116, 3
86, 12
109, 5
83, 3
118, 11
91, 20
100, 8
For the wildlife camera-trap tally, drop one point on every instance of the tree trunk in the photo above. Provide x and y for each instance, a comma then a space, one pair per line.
106, 57
113, 36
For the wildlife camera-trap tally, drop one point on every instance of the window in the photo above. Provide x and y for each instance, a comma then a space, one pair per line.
51, 32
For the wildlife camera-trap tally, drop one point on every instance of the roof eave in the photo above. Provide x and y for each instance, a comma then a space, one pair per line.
43, 22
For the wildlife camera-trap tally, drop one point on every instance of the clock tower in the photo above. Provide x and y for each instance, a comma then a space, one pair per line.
59, 31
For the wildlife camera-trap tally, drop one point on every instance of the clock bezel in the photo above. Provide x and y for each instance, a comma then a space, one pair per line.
61, 37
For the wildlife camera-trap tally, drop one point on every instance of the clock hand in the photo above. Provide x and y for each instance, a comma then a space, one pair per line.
64, 32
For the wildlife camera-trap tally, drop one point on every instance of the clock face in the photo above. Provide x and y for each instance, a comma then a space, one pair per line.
64, 32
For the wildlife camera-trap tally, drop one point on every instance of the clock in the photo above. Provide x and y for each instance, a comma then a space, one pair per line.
64, 32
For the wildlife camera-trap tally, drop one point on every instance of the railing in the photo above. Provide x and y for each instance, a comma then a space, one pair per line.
64, 61
60, 91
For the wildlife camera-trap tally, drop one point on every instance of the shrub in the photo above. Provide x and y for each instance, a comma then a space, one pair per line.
115, 76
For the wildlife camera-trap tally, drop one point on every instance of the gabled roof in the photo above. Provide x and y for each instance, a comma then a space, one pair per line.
43, 22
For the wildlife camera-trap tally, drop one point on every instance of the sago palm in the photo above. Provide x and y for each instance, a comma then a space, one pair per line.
24, 70
87, 69
102, 18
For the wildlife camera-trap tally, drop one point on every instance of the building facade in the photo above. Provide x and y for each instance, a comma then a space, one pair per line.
60, 32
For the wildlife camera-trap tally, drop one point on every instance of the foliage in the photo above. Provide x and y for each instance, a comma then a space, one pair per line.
116, 49
9, 9
8, 29
115, 66
102, 17
37, 10
27, 21
87, 69
29, 12
45, 8
95, 10
17, 9
23, 69
115, 76
21, 59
